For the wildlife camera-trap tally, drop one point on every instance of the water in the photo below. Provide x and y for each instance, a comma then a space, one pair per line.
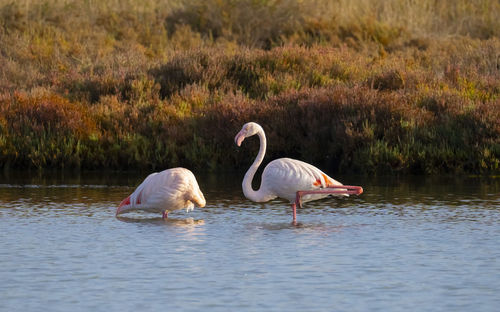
415, 244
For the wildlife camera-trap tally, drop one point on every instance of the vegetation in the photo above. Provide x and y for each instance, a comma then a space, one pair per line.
351, 86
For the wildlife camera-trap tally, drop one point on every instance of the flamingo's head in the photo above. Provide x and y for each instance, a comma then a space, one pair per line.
248, 129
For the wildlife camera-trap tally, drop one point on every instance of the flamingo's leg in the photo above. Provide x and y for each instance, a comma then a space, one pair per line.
342, 189
334, 190
164, 215
298, 202
298, 198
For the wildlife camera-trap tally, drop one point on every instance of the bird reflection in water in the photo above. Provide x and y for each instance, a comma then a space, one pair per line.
158, 220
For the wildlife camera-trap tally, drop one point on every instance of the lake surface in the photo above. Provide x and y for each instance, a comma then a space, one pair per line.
406, 244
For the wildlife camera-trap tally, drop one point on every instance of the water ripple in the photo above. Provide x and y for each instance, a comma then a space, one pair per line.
399, 246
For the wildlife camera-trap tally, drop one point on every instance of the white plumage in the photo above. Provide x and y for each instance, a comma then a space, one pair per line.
291, 179
285, 176
165, 191
282, 177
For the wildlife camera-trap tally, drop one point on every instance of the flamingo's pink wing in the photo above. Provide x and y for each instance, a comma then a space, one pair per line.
285, 176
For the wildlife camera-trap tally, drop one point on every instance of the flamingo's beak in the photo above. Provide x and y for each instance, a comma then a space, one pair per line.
239, 137
123, 206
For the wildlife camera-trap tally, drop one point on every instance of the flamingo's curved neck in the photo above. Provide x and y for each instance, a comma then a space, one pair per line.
258, 195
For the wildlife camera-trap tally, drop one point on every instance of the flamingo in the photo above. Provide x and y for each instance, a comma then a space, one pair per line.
163, 192
287, 178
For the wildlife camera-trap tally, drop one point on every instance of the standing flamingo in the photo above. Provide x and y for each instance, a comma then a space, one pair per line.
163, 192
287, 178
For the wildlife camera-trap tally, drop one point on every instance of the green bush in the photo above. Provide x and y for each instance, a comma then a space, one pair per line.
351, 86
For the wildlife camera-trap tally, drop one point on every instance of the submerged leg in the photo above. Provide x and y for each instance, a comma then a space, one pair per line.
294, 211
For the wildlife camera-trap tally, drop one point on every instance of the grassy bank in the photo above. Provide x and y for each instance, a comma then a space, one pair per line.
348, 85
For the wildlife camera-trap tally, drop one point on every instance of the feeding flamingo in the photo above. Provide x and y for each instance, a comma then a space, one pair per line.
163, 192
287, 178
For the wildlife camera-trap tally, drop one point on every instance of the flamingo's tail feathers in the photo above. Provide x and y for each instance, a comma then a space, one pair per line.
198, 199
201, 202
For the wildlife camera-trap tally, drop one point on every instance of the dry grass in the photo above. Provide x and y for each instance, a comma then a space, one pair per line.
363, 86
